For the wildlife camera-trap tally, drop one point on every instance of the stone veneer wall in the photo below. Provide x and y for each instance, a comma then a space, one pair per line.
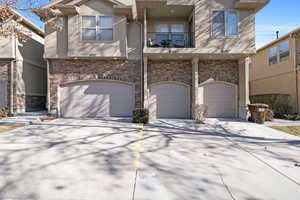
62, 71
219, 70
5, 77
170, 70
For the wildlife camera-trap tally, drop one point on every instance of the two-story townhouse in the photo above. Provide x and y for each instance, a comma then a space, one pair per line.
275, 70
23, 72
165, 55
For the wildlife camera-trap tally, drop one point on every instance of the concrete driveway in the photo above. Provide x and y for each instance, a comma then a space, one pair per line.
70, 159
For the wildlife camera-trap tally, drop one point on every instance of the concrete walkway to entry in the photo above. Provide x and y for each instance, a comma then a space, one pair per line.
113, 159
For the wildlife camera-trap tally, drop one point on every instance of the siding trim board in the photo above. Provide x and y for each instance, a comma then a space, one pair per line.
96, 80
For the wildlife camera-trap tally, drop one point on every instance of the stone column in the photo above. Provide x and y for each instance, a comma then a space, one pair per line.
244, 100
146, 91
195, 84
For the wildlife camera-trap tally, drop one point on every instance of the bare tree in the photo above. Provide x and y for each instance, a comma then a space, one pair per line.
9, 17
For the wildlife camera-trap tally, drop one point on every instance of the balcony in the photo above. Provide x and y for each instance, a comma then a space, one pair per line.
170, 39
251, 4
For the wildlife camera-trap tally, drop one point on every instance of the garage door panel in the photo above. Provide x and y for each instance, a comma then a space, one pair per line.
98, 99
122, 99
96, 105
170, 101
220, 98
70, 104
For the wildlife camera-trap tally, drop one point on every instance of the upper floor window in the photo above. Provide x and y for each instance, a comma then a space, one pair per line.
284, 51
224, 23
273, 56
97, 28
279, 53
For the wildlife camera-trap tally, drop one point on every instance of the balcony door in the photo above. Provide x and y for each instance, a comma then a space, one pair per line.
177, 35
173, 33
161, 33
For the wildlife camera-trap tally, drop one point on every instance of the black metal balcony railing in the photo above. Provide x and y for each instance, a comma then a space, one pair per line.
170, 39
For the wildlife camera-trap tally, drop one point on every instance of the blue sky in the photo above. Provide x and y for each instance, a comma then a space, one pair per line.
281, 15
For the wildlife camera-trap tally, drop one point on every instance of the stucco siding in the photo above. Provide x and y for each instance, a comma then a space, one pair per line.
5, 82
298, 51
35, 79
134, 41
262, 69
6, 47
206, 43
280, 84
115, 48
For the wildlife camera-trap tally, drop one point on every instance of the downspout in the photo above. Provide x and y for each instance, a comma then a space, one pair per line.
11, 98
48, 88
296, 70
142, 65
12, 63
297, 91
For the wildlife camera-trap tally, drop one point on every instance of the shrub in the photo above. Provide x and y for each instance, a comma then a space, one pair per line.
140, 115
4, 112
292, 117
282, 110
200, 113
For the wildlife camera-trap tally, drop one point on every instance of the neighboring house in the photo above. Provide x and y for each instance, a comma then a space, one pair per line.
166, 55
276, 67
23, 81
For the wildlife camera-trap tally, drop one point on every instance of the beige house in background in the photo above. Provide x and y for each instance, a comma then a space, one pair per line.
275, 69
165, 55
23, 81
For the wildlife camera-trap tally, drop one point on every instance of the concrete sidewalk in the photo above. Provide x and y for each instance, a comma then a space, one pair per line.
23, 119
281, 122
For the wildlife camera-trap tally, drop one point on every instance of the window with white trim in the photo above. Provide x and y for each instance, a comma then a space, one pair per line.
284, 51
97, 28
224, 23
273, 56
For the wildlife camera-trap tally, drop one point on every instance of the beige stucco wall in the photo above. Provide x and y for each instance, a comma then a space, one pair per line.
29, 68
35, 79
134, 39
281, 84
277, 78
6, 47
261, 68
206, 43
115, 48
298, 50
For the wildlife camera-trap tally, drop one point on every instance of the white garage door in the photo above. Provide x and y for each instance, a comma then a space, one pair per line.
170, 100
3, 91
96, 99
220, 98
